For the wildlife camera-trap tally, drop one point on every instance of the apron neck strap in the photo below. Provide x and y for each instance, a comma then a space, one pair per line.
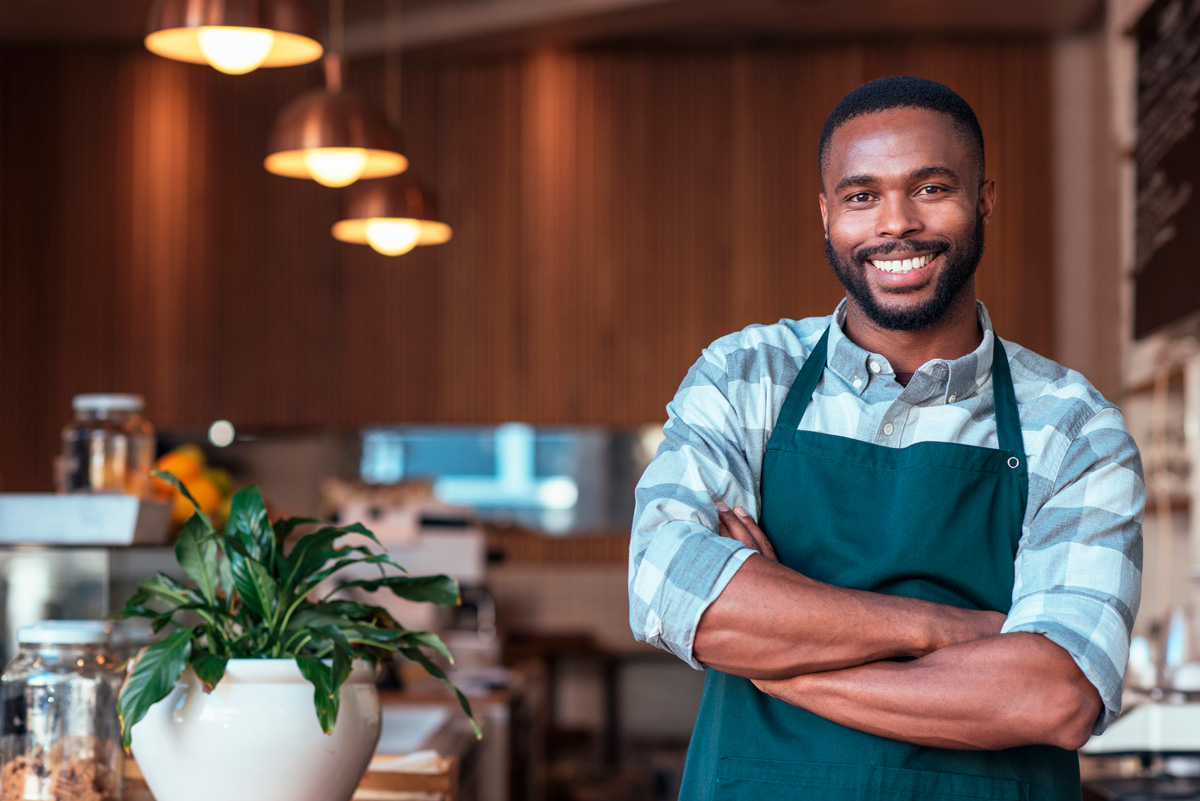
1008, 422
802, 390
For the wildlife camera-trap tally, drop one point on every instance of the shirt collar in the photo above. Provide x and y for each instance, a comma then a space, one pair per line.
953, 380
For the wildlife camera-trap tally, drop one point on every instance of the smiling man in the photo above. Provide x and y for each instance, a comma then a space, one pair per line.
907, 552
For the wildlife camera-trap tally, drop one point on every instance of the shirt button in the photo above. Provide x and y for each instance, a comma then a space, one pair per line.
857, 383
888, 429
951, 399
875, 368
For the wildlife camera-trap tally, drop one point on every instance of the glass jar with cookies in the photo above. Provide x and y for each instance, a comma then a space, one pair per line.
61, 738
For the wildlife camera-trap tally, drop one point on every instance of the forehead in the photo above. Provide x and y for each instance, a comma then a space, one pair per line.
898, 140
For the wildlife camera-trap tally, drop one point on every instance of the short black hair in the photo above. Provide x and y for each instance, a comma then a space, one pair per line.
903, 91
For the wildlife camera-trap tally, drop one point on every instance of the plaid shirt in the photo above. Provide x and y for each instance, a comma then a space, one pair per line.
1079, 563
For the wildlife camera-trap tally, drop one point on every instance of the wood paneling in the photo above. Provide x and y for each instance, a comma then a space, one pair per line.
614, 211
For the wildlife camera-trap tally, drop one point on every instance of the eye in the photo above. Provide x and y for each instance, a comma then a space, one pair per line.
930, 189
859, 197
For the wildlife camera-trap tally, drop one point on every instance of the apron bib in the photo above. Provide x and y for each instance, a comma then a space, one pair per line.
937, 521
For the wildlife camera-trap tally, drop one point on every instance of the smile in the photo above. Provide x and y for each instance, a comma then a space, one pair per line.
903, 265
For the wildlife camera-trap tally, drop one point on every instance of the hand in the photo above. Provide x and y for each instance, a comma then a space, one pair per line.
737, 524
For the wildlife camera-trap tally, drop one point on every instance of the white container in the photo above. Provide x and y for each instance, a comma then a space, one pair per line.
256, 737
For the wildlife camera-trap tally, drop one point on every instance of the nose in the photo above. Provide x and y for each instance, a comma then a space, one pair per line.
899, 217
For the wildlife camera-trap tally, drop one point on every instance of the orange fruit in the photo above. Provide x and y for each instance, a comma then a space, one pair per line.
221, 478
207, 495
186, 463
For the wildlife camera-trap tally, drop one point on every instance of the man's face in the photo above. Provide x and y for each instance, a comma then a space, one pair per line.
904, 215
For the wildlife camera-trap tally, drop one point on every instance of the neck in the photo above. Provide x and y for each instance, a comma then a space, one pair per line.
954, 336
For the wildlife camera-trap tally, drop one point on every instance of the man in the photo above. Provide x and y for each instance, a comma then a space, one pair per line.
908, 553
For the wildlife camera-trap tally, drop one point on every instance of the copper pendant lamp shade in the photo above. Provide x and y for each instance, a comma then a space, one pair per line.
339, 125
235, 36
392, 216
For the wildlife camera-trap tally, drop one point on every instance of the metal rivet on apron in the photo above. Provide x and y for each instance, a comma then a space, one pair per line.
1014, 462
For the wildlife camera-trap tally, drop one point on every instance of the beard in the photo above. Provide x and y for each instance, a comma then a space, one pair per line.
960, 266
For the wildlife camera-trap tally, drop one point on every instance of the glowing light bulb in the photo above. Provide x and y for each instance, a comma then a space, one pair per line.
235, 51
393, 237
335, 166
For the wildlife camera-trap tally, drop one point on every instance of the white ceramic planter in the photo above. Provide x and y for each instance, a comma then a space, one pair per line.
256, 737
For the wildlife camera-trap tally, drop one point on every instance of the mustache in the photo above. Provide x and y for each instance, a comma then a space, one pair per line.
907, 246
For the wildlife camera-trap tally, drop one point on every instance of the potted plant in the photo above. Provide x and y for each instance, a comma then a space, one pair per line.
223, 706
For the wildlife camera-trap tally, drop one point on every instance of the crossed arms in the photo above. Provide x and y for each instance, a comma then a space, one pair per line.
720, 601
825, 649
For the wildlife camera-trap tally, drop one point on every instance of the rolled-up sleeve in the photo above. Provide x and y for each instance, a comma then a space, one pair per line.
678, 564
1079, 564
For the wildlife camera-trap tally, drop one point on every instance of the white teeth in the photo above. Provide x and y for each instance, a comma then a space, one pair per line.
902, 266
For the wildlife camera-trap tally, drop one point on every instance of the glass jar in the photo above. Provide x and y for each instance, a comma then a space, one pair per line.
108, 447
61, 737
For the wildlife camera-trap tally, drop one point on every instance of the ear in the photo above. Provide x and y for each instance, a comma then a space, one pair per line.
824, 214
987, 202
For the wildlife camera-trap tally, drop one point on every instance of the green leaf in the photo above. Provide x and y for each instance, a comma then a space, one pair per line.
441, 590
359, 528
197, 551
254, 583
313, 552
284, 526
133, 609
428, 639
310, 554
177, 484
208, 667
316, 578
325, 698
160, 587
359, 612
248, 522
416, 656
225, 576
309, 618
155, 673
343, 655
162, 621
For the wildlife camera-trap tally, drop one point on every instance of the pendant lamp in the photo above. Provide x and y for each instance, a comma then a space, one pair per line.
234, 36
328, 134
392, 216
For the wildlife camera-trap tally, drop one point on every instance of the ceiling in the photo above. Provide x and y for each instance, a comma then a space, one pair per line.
435, 27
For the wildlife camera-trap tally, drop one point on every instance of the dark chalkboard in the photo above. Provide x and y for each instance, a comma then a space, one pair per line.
1167, 266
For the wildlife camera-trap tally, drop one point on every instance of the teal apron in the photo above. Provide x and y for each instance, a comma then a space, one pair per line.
938, 521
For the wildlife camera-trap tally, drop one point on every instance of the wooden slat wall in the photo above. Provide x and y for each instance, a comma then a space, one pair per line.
614, 211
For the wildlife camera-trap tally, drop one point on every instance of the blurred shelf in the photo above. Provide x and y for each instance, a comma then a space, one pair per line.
82, 520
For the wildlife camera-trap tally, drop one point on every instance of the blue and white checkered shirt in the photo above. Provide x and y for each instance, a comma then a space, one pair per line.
1079, 563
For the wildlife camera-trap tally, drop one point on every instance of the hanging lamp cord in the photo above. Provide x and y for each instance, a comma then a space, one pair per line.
393, 63
333, 59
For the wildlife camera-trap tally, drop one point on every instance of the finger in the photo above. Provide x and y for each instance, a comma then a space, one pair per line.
733, 528
723, 529
751, 536
736, 527
765, 545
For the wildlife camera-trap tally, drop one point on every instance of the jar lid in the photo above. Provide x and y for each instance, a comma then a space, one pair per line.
65, 632
107, 403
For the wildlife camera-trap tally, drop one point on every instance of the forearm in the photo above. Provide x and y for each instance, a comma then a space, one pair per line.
999, 692
772, 622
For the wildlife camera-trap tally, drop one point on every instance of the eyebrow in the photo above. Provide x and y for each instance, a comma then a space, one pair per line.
915, 175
